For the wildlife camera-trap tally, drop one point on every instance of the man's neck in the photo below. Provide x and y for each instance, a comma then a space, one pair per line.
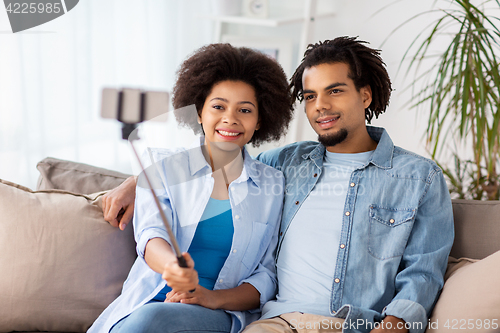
354, 143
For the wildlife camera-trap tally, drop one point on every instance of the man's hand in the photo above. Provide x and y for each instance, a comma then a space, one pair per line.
118, 204
181, 279
391, 324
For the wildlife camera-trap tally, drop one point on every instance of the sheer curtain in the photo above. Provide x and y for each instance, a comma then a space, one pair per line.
51, 77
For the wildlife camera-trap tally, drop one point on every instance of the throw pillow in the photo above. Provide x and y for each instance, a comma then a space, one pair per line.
61, 263
76, 177
470, 300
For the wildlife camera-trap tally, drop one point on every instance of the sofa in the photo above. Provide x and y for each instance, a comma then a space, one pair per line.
61, 264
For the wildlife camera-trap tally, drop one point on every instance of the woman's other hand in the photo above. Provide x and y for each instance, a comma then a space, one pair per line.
118, 204
201, 296
241, 298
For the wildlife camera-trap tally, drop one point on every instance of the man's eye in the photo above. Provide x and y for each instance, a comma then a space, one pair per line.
308, 97
218, 107
335, 91
246, 110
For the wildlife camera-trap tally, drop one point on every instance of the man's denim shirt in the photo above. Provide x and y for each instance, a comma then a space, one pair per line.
397, 231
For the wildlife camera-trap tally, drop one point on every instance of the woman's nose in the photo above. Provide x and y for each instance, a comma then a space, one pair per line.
230, 117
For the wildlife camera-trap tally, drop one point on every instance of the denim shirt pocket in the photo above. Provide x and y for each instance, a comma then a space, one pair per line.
256, 245
389, 231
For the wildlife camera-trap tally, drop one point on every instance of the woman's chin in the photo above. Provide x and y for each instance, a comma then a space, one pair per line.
225, 146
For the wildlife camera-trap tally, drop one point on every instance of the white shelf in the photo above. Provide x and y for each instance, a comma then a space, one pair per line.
271, 22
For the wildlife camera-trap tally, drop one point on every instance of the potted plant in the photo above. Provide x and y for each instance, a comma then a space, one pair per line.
460, 93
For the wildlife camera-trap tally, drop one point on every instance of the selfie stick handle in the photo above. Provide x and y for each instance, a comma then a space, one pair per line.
127, 133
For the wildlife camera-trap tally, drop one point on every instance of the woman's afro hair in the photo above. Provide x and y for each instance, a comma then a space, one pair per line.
215, 63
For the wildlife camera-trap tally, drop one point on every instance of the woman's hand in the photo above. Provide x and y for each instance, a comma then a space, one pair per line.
181, 279
201, 296
241, 298
118, 204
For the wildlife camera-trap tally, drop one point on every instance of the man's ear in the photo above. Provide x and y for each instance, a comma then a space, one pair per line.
366, 94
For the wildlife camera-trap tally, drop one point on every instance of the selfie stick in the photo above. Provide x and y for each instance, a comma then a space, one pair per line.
131, 138
118, 105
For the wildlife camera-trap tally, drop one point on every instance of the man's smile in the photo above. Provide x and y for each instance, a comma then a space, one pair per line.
327, 122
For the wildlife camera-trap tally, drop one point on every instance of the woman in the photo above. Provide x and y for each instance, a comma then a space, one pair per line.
224, 207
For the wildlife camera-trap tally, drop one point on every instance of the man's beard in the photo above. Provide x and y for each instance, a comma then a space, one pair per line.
330, 140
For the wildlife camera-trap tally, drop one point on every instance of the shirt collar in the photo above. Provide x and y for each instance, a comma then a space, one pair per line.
197, 163
249, 170
316, 155
382, 156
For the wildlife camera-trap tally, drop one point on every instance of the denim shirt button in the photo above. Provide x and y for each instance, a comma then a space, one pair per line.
337, 280
342, 246
352, 184
315, 175
391, 221
347, 213
296, 202
237, 217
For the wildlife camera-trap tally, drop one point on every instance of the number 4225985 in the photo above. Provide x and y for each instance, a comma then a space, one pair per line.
32, 8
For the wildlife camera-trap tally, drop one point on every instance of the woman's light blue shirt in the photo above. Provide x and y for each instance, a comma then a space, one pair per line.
183, 182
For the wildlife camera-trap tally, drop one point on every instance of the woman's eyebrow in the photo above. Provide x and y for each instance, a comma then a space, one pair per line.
246, 102
226, 101
219, 99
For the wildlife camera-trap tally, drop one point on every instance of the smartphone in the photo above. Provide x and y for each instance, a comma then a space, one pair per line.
132, 106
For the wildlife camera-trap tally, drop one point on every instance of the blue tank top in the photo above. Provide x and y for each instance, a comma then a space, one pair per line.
211, 244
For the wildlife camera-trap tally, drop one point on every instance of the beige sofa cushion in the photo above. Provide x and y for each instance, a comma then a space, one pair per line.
61, 263
76, 177
470, 300
477, 228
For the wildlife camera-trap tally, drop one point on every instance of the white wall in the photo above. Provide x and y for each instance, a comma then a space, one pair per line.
372, 21
51, 76
364, 18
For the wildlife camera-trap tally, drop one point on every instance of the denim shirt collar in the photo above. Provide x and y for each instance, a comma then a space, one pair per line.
382, 157
197, 163
316, 155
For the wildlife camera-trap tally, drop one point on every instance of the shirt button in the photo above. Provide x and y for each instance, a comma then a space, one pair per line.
234, 251
220, 281
342, 246
391, 221
347, 213
337, 280
281, 233
237, 217
315, 175
352, 184
296, 202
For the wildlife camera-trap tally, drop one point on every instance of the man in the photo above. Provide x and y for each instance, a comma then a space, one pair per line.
367, 226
